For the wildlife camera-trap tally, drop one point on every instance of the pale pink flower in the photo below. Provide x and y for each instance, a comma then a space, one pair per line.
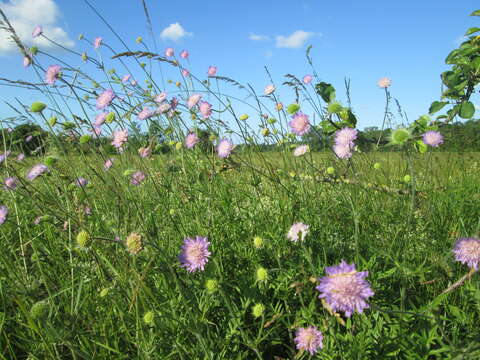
205, 109
160, 97
105, 99
185, 72
184, 54
145, 113
97, 42
193, 100
163, 108
384, 82
269, 89
37, 31
298, 231
27, 61
100, 118
307, 79
52, 74
301, 150
145, 152
212, 71
191, 140
224, 148
169, 52
120, 137
343, 151
300, 124
108, 164
126, 78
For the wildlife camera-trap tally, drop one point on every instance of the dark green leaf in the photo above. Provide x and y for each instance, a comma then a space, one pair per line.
472, 30
475, 13
326, 91
467, 110
436, 106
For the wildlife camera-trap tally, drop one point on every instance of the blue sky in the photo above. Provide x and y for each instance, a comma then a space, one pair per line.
406, 41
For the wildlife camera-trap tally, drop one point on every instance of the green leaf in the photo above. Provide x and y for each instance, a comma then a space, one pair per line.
436, 106
326, 91
472, 30
85, 139
475, 13
422, 148
293, 108
467, 110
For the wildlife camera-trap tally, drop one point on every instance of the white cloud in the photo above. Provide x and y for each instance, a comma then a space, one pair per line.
256, 37
24, 15
295, 40
174, 32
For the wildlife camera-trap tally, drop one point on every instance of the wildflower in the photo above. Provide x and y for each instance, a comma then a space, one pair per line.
52, 74
279, 106
205, 109
191, 140
145, 113
81, 182
173, 103
105, 99
169, 52
345, 289
185, 72
194, 255
384, 82
343, 151
184, 54
224, 148
27, 61
10, 183
467, 251
257, 310
4, 156
145, 152
307, 79
296, 230
163, 108
97, 42
133, 82
258, 242
37, 31
120, 137
269, 89
84, 57
83, 239
137, 178
108, 164
87, 211
36, 171
301, 150
211, 285
28, 138
346, 135
300, 124
212, 71
309, 339
432, 138
377, 166
126, 78
100, 118
37, 220
20, 157
3, 214
160, 97
193, 100
134, 243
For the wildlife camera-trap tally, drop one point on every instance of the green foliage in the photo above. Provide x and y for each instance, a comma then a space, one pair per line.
326, 91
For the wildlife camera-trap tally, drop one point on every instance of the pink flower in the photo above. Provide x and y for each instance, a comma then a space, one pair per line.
301, 150
52, 74
384, 82
193, 100
37, 31
145, 152
126, 78
97, 42
191, 140
20, 157
145, 113
96, 131
137, 178
224, 148
27, 61
307, 79
160, 97
169, 52
296, 230
309, 339
205, 109
184, 54
269, 89
212, 71
432, 138
120, 137
108, 164
100, 118
185, 73
105, 99
300, 124
343, 151
163, 108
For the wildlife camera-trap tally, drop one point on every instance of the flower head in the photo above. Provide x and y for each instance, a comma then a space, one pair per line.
108, 164
301, 150
4, 156
212, 71
224, 148
134, 243
184, 54
194, 255
191, 140
345, 289
343, 151
120, 137
36, 171
97, 42
300, 124
185, 73
193, 100
160, 97
467, 251
105, 99
169, 52
309, 339
269, 89
145, 152
307, 79
81, 182
11, 183
37, 31
163, 108
296, 230
126, 78
432, 138
145, 113
205, 109
384, 82
3, 214
52, 74
20, 157
27, 60
345, 136
137, 178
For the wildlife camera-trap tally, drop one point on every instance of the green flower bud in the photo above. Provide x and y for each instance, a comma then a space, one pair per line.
243, 117
262, 274
110, 117
272, 121
34, 50
84, 57
39, 310
407, 178
258, 242
179, 145
139, 40
330, 170
80, 37
377, 166
257, 310
142, 65
334, 108
51, 160
293, 108
149, 317
265, 132
134, 243
37, 107
104, 292
400, 136
52, 121
85, 138
211, 285
83, 239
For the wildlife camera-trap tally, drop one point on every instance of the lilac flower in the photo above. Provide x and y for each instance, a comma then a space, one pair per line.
345, 289
145, 152
194, 255
3, 214
169, 52
100, 118
137, 178
185, 72
300, 124
467, 251
296, 230
37, 220
81, 182
432, 138
269, 89
145, 113
29, 138
160, 97
309, 339
193, 100
27, 61
52, 74
120, 137
11, 183
301, 150
184, 54
343, 151
37, 31
224, 148
307, 79
212, 71
88, 210
20, 157
105, 99
97, 42
126, 78
163, 108
4, 156
346, 135
108, 164
36, 171
205, 109
384, 82
191, 140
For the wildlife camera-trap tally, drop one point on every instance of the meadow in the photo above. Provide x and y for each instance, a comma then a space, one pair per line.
129, 232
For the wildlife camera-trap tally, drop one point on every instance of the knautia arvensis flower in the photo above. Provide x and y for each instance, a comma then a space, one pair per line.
134, 243
195, 254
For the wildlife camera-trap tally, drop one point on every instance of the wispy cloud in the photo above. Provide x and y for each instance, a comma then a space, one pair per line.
295, 40
256, 37
24, 15
174, 32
